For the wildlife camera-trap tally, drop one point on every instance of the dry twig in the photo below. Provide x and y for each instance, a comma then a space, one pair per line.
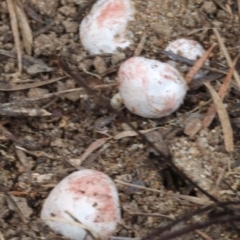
207, 120
227, 56
15, 31
224, 119
203, 235
198, 64
140, 45
131, 133
189, 62
10, 88
89, 73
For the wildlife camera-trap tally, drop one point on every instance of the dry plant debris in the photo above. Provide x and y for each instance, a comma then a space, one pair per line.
222, 92
224, 119
15, 30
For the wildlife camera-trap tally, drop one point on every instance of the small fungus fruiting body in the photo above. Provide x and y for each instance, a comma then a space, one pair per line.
104, 29
116, 101
150, 88
189, 49
90, 197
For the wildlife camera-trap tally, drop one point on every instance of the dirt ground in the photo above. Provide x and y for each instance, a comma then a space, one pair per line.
43, 140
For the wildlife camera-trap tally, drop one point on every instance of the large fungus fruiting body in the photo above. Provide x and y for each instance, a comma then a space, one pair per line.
104, 29
90, 197
189, 49
150, 88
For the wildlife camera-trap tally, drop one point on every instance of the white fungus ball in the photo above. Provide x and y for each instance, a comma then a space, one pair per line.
189, 49
104, 29
90, 197
150, 88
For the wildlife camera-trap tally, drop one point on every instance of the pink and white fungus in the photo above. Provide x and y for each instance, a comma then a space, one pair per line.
150, 88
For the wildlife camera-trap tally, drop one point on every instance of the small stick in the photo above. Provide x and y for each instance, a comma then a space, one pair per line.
15, 31
238, 9
225, 85
229, 10
187, 61
195, 200
24, 26
10, 88
89, 232
89, 73
223, 117
1, 236
150, 214
207, 120
140, 45
226, 55
55, 94
198, 64
203, 235
49, 95
140, 187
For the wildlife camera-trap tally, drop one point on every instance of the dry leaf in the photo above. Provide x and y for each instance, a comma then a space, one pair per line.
203, 235
25, 29
132, 133
9, 87
42, 178
193, 127
15, 31
31, 65
14, 206
32, 14
7, 155
195, 200
226, 55
23, 159
33, 112
224, 119
20, 206
92, 147
75, 161
25, 112
38, 67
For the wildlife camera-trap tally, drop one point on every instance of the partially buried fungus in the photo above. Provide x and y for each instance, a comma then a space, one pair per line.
150, 88
189, 49
104, 29
83, 206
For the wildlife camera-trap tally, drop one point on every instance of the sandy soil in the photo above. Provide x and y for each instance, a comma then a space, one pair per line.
42, 141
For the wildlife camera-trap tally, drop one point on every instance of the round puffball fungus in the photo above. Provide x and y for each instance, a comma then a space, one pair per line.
189, 49
90, 197
104, 29
150, 88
